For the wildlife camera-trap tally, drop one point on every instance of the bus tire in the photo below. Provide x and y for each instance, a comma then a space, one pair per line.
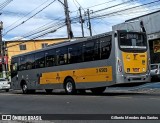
25, 88
48, 91
98, 90
69, 86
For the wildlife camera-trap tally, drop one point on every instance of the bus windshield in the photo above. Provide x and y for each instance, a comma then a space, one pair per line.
132, 41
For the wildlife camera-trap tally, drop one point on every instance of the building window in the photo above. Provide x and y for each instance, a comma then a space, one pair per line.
44, 45
22, 47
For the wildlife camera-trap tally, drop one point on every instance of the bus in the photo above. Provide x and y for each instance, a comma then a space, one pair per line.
91, 63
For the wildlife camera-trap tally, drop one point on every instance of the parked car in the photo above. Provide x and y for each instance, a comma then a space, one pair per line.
155, 72
4, 84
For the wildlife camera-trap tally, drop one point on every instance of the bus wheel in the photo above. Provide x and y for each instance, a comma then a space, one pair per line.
24, 88
69, 86
98, 90
49, 91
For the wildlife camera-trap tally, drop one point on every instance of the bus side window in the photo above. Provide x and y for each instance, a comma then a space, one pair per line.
39, 60
14, 67
75, 53
105, 47
61, 54
88, 51
23, 60
30, 62
97, 50
50, 58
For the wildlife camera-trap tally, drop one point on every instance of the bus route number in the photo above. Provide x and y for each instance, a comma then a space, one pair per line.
100, 70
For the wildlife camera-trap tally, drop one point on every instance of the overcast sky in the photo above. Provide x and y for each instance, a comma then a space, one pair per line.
18, 11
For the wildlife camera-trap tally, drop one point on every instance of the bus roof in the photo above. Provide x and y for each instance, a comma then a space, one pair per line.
65, 43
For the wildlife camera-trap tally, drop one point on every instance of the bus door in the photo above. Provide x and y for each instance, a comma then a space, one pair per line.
14, 71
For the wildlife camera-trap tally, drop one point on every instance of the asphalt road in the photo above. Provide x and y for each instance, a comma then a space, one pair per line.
14, 102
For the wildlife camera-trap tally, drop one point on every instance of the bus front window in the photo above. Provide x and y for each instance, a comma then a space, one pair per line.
132, 41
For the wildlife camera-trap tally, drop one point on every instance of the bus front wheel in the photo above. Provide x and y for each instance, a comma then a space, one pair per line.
98, 90
69, 86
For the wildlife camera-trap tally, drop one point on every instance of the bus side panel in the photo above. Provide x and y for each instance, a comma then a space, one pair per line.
80, 76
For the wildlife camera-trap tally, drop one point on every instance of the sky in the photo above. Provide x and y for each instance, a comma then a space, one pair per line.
22, 17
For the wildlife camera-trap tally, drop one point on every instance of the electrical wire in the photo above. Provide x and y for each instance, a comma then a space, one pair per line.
4, 4
29, 18
135, 7
26, 14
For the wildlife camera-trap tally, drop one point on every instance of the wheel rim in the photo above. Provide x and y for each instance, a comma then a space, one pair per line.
69, 87
24, 88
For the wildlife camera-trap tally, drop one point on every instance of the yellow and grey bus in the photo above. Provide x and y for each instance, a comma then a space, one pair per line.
117, 57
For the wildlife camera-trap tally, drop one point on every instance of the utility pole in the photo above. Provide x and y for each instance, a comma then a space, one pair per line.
68, 21
2, 51
89, 22
81, 21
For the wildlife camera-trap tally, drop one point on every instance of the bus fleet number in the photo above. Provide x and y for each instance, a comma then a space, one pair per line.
101, 70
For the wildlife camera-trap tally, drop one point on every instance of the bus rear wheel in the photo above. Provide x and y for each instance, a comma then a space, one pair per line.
24, 88
69, 86
98, 90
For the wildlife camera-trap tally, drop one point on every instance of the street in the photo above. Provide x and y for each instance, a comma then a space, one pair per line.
60, 103
119, 102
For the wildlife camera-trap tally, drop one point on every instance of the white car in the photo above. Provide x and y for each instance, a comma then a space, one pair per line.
155, 71
4, 84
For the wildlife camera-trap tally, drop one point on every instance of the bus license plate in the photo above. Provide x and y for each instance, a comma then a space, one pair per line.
136, 69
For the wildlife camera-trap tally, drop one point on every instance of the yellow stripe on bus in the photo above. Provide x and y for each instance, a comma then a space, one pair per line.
98, 74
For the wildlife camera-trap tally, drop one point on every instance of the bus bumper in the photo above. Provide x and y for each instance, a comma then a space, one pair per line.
131, 78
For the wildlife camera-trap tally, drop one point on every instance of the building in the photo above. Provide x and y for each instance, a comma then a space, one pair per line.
151, 24
23, 46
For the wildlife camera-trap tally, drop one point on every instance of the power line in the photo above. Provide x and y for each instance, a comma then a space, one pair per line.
135, 7
45, 26
26, 14
40, 35
74, 20
50, 31
95, 5
4, 4
114, 6
29, 17
50, 28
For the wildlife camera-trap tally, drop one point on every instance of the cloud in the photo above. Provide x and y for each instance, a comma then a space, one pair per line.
55, 12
